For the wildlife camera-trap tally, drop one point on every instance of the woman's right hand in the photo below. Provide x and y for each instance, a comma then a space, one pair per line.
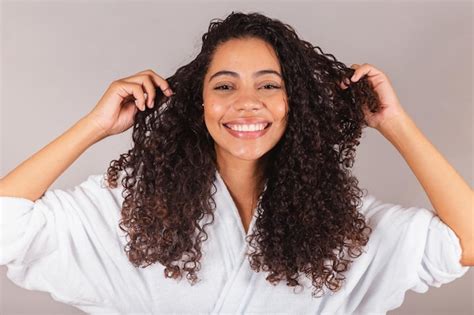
115, 111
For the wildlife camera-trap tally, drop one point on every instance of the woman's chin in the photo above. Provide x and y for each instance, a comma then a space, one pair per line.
249, 158
244, 153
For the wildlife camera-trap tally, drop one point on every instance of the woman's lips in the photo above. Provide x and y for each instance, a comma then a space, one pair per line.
248, 134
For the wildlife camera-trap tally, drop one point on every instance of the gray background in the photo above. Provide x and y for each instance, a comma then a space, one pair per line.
58, 58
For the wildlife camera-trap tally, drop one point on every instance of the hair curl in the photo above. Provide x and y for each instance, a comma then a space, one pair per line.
311, 197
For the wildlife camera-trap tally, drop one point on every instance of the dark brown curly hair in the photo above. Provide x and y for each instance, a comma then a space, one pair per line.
311, 198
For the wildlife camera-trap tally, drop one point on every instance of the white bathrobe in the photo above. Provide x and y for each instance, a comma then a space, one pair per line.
68, 243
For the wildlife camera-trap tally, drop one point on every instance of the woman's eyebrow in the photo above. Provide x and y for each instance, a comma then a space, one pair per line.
236, 75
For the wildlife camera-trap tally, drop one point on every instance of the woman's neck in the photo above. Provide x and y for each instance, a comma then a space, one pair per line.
244, 179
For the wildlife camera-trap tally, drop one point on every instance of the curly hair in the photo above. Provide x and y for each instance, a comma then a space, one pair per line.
306, 216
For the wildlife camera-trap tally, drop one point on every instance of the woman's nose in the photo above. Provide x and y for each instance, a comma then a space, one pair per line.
248, 102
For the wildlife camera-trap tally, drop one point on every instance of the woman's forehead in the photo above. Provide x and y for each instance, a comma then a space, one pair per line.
249, 53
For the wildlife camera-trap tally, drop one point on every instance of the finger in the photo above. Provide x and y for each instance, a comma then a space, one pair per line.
156, 79
354, 66
159, 81
344, 84
360, 71
148, 86
365, 69
150, 91
125, 89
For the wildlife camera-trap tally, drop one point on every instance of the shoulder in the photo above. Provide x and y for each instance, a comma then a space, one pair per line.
96, 184
378, 212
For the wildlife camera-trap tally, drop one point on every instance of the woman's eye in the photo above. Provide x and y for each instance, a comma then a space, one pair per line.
228, 87
220, 87
272, 86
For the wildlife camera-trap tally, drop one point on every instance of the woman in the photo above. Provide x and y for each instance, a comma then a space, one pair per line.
251, 143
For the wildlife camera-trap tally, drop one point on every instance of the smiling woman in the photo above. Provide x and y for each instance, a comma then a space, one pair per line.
248, 117
252, 151
291, 178
254, 94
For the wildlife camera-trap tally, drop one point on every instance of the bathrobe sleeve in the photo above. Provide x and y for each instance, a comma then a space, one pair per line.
414, 250
57, 243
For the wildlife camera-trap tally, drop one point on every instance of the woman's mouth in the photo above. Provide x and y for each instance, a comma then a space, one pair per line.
250, 131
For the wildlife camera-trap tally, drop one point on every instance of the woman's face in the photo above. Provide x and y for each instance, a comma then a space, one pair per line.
244, 90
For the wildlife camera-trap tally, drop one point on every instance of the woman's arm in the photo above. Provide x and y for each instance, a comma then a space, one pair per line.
113, 114
33, 177
449, 194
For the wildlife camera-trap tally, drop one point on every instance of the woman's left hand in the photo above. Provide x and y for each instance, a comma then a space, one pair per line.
390, 105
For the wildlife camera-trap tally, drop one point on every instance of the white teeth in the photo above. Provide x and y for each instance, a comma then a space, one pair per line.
251, 127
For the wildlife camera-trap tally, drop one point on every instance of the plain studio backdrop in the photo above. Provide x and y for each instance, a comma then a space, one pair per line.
58, 58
